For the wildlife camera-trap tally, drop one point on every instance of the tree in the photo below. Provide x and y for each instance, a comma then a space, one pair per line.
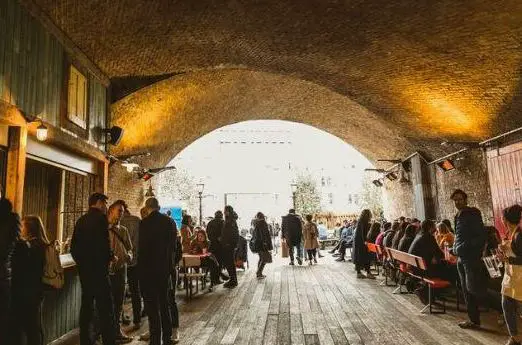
371, 196
308, 198
177, 187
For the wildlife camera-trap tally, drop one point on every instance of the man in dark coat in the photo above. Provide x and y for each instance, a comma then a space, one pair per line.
9, 233
156, 246
470, 240
214, 229
292, 231
229, 240
91, 251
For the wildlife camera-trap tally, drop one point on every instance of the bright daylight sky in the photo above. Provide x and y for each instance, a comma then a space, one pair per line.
264, 157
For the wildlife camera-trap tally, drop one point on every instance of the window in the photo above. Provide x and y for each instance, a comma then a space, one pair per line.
330, 198
323, 181
77, 98
349, 198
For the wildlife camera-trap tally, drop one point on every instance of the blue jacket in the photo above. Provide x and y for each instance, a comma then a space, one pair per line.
470, 235
347, 233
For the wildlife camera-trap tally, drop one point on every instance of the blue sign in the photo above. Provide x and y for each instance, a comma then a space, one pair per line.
176, 214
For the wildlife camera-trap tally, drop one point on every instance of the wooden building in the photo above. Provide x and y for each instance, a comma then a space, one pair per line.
45, 79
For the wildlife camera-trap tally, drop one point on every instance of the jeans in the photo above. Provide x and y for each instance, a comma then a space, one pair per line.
96, 288
228, 256
473, 283
298, 249
156, 298
118, 295
134, 287
510, 308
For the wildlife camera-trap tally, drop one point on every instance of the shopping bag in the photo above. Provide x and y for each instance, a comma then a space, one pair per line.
285, 252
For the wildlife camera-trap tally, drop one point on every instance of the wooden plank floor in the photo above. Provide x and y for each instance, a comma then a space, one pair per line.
323, 304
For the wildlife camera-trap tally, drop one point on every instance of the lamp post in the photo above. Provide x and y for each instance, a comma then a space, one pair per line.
200, 187
294, 190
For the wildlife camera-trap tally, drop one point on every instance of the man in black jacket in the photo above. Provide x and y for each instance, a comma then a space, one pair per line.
9, 233
229, 240
214, 230
470, 240
156, 246
292, 231
91, 251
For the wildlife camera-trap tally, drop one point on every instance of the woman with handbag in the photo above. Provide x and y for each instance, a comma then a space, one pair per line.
262, 244
310, 235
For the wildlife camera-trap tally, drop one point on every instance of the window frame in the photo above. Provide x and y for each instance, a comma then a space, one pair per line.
75, 125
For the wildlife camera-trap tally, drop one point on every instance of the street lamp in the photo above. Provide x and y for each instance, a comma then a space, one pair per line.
200, 188
294, 190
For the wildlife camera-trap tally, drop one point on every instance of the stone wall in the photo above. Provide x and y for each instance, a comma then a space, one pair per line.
126, 186
398, 199
470, 175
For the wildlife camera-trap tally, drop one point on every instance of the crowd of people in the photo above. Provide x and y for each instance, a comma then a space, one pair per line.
113, 249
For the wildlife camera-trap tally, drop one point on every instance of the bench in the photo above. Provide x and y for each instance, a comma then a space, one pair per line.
375, 249
190, 269
329, 242
407, 261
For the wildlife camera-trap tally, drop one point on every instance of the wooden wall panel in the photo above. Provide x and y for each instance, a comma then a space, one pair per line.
32, 70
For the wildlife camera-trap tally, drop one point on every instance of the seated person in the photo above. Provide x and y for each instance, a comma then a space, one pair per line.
398, 235
380, 238
323, 231
387, 241
345, 242
342, 234
407, 239
375, 230
198, 246
444, 236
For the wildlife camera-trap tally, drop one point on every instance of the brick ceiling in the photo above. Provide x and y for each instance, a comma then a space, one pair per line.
428, 70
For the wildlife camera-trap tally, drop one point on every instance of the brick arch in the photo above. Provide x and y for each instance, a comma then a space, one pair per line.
167, 116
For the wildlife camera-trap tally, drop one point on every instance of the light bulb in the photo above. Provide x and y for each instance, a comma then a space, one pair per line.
41, 132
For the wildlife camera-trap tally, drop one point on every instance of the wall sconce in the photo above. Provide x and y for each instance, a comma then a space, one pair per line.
391, 176
130, 166
446, 165
377, 183
41, 132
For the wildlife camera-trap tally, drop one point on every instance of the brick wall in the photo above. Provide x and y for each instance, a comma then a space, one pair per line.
126, 186
470, 175
398, 199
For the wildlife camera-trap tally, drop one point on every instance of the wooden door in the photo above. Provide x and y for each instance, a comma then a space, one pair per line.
505, 179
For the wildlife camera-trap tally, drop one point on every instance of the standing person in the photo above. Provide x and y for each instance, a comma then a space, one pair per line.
511, 254
310, 234
90, 249
361, 257
470, 239
229, 240
27, 293
121, 246
292, 230
214, 229
157, 244
132, 224
186, 233
9, 233
262, 243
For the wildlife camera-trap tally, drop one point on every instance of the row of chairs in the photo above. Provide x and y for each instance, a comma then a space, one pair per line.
392, 259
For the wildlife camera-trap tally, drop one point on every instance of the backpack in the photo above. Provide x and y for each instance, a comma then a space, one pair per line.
252, 245
53, 271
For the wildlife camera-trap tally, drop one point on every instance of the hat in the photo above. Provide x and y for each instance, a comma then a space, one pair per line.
152, 203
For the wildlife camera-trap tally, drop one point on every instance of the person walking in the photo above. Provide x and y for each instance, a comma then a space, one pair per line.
262, 244
132, 224
470, 239
121, 246
361, 257
292, 230
310, 235
90, 249
511, 254
9, 233
214, 229
27, 293
157, 245
229, 240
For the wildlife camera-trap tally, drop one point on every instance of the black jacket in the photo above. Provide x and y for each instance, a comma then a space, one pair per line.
156, 248
470, 234
28, 269
388, 238
405, 243
361, 257
230, 234
262, 239
425, 245
214, 230
9, 232
90, 245
292, 229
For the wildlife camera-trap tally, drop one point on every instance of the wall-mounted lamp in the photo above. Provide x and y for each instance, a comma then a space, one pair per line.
391, 176
41, 132
130, 166
446, 165
377, 183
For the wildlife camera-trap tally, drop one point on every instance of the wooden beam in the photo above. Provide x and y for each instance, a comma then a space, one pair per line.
11, 115
16, 154
70, 47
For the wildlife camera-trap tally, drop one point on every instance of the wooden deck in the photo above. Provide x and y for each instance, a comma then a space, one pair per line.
323, 304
